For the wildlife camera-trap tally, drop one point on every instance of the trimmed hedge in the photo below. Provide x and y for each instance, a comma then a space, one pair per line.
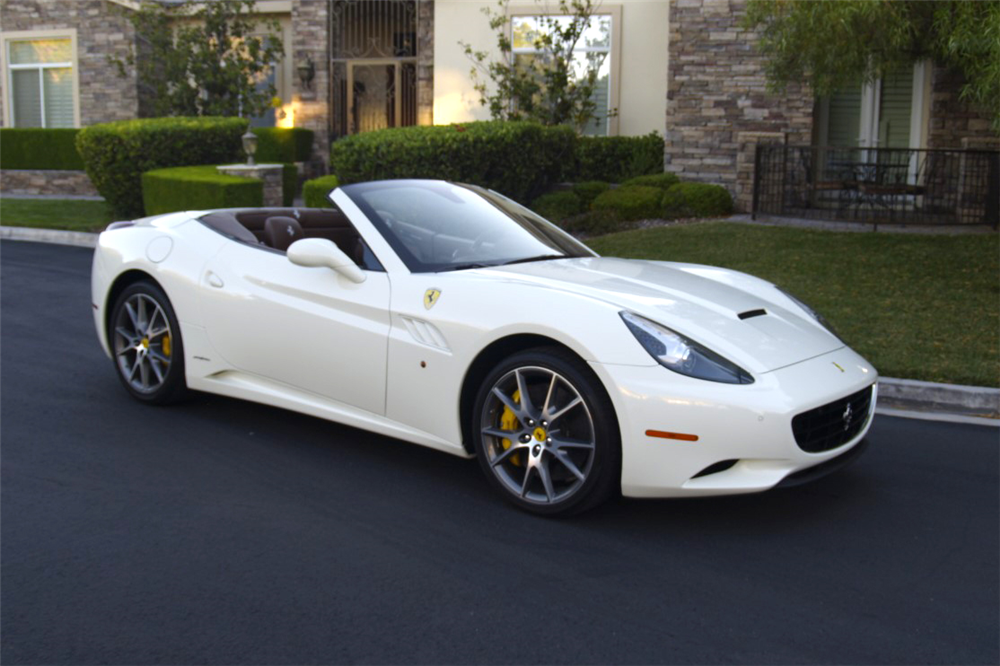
198, 188
696, 200
283, 144
631, 203
664, 181
314, 191
595, 223
618, 158
37, 148
117, 154
518, 159
559, 205
590, 190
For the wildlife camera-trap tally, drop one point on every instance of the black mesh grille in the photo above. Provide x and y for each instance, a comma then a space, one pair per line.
832, 425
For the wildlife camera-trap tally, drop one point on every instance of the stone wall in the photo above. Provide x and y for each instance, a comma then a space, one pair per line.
102, 31
310, 38
60, 183
425, 62
717, 101
952, 120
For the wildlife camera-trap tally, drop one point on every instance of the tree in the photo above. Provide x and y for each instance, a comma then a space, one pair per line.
202, 58
549, 86
835, 44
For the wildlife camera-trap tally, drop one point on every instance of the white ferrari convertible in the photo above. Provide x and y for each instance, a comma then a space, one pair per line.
450, 316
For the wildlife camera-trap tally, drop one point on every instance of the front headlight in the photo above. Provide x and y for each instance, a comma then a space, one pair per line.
675, 352
812, 313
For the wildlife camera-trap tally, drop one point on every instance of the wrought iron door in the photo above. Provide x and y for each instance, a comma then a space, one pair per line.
374, 64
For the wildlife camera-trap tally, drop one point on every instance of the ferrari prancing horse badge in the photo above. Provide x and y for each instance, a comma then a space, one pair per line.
431, 297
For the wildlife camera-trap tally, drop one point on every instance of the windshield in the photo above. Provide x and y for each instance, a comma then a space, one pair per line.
438, 226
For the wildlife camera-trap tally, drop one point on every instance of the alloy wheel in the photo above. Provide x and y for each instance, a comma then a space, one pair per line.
538, 435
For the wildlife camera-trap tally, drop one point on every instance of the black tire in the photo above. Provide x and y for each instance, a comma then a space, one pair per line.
151, 367
517, 466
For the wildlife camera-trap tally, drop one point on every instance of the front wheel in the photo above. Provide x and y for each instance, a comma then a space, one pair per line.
546, 434
146, 342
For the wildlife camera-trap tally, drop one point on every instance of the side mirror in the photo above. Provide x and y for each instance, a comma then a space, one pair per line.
315, 252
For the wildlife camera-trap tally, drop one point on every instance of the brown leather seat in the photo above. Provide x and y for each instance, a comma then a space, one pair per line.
280, 232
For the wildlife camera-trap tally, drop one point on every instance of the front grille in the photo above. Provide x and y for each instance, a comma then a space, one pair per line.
834, 424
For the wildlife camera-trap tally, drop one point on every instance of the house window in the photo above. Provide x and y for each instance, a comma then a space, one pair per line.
592, 50
890, 112
40, 80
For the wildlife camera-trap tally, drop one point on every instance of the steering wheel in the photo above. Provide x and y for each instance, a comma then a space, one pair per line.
485, 236
387, 217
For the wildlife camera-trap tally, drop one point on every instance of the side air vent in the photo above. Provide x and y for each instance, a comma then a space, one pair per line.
425, 332
752, 313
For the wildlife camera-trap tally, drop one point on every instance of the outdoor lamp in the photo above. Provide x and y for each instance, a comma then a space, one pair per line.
249, 146
307, 70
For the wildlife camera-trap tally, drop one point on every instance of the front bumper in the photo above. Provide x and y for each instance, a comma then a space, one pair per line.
751, 424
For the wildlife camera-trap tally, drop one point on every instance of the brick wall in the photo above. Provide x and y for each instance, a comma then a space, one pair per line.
310, 38
717, 101
952, 120
102, 30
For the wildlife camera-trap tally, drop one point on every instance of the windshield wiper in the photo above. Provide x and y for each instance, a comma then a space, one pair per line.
465, 267
541, 257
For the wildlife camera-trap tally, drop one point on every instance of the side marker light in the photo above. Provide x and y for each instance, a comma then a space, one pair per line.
672, 435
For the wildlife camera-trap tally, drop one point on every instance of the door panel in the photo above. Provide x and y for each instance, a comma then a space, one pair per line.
307, 327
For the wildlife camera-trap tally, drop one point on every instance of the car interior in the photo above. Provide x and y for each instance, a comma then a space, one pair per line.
277, 228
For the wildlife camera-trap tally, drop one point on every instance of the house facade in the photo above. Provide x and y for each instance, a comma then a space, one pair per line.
683, 68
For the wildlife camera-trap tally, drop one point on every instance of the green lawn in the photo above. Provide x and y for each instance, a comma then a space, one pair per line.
917, 306
71, 214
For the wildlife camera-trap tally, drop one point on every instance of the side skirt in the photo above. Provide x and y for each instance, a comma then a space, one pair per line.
243, 386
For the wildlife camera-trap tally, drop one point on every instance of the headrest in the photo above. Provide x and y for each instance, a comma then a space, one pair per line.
280, 232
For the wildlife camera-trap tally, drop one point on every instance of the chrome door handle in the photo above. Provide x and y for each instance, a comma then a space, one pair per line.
214, 280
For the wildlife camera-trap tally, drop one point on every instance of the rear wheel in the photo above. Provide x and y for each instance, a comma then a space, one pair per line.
146, 343
546, 433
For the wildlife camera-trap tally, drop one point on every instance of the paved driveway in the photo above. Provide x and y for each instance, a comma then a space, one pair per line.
226, 532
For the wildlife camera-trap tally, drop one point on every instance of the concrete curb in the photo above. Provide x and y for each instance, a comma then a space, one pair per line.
901, 395
55, 236
913, 395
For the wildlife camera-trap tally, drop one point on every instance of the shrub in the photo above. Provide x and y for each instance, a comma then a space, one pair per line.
314, 191
283, 144
631, 203
197, 188
589, 190
518, 159
36, 148
696, 200
664, 181
618, 158
558, 205
595, 223
117, 154
289, 184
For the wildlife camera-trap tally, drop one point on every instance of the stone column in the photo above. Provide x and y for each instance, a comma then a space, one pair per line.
311, 39
425, 62
743, 186
271, 174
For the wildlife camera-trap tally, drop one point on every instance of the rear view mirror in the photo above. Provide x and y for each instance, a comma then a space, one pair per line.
316, 252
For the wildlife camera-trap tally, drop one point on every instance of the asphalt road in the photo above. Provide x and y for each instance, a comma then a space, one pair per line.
226, 532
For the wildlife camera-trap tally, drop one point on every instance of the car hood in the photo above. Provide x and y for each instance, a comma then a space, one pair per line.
701, 302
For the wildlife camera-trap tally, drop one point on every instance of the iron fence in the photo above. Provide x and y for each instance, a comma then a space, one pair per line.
878, 185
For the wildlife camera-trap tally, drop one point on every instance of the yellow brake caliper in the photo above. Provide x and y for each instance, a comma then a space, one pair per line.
508, 421
165, 345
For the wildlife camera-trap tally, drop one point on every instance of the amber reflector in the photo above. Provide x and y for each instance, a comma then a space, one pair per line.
672, 435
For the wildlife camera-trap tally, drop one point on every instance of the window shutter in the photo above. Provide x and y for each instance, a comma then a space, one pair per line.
845, 118
895, 106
